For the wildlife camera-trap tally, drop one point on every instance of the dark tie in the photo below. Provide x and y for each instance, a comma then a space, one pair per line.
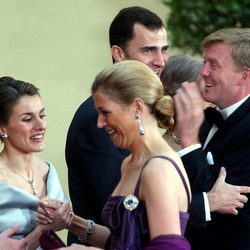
213, 116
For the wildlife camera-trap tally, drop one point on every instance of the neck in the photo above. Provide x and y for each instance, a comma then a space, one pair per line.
150, 145
20, 162
172, 140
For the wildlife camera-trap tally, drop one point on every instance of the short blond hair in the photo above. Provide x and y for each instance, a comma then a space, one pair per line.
238, 39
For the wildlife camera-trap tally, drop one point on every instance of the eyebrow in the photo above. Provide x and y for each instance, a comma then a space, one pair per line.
101, 109
29, 113
154, 47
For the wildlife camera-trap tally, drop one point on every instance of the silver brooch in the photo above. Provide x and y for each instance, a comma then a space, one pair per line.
131, 202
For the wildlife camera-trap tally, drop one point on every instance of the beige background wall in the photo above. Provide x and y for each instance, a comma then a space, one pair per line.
59, 45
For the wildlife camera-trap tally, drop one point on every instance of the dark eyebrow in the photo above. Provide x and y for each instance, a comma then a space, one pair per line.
153, 47
42, 110
99, 109
29, 113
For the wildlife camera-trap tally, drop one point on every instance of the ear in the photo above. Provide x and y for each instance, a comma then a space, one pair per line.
2, 131
138, 106
245, 76
117, 53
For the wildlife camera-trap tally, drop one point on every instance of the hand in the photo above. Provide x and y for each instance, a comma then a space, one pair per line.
189, 106
76, 247
46, 210
226, 198
57, 214
8, 243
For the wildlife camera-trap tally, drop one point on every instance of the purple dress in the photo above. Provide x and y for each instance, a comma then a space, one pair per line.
129, 228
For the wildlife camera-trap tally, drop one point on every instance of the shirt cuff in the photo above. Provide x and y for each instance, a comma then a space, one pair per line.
207, 208
188, 149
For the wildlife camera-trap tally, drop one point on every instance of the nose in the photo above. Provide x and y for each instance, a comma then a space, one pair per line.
204, 70
160, 59
41, 124
101, 122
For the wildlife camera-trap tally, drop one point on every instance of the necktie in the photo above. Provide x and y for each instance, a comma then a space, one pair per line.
213, 116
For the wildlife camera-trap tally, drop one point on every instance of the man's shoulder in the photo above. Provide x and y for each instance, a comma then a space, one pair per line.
86, 110
87, 105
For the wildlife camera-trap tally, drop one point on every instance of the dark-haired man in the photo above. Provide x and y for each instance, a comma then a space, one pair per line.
93, 162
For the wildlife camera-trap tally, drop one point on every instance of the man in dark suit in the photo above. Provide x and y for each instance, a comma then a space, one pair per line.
93, 162
223, 142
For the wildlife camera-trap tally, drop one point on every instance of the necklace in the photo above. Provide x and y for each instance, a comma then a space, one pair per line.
29, 181
173, 136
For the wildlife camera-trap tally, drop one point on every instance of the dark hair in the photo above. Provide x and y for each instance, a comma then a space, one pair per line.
180, 68
11, 91
122, 27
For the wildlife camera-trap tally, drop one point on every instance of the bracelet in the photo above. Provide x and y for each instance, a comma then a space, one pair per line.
88, 232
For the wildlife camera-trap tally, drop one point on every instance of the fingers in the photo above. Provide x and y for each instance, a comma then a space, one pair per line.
10, 231
65, 212
63, 217
238, 203
189, 113
235, 211
49, 209
45, 211
188, 95
183, 101
244, 189
222, 174
42, 219
50, 203
243, 199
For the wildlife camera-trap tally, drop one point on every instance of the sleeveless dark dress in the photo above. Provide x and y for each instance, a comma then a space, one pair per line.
130, 230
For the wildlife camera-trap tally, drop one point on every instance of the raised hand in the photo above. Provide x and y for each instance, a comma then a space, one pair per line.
189, 107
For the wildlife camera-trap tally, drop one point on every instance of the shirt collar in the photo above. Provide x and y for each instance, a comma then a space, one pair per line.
229, 110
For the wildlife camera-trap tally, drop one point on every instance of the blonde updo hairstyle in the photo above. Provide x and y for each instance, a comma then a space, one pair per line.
126, 80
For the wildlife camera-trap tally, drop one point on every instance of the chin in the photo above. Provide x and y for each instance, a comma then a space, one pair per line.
40, 149
118, 145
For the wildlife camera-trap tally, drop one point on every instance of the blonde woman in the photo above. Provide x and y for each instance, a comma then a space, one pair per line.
149, 207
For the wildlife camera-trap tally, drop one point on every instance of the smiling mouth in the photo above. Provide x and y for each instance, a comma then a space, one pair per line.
110, 131
37, 138
209, 85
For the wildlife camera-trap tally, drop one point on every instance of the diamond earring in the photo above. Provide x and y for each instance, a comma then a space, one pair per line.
4, 136
140, 127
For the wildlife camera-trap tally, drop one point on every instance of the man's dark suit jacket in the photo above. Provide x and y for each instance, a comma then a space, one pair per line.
93, 164
230, 147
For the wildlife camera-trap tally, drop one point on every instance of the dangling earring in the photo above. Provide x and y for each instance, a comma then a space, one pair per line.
4, 136
141, 129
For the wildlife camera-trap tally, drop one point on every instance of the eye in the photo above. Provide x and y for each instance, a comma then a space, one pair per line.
105, 113
42, 116
164, 50
214, 65
147, 50
27, 119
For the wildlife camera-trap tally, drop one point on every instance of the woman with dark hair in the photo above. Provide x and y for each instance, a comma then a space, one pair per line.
24, 178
